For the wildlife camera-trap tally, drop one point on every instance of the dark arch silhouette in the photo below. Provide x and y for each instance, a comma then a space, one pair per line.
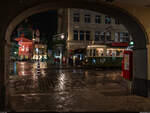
130, 22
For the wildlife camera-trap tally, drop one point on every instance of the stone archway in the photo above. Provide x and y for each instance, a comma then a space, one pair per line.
130, 22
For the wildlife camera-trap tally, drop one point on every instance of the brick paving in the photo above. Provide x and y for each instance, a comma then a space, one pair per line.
76, 90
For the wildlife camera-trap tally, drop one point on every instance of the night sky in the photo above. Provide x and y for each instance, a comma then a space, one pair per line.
46, 22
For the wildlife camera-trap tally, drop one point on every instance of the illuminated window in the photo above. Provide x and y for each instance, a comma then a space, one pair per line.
109, 52
100, 51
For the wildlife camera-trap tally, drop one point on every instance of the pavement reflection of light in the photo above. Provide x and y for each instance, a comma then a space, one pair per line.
61, 82
43, 65
22, 66
74, 71
21, 73
86, 73
34, 77
43, 73
22, 63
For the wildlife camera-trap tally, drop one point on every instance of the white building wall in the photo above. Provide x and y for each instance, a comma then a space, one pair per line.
93, 27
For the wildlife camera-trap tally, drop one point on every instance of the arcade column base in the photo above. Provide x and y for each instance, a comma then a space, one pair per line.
141, 87
2, 97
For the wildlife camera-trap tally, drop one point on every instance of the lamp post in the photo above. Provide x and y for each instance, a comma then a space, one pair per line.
60, 37
38, 40
61, 49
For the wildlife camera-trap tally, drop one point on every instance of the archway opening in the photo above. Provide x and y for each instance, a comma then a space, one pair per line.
137, 32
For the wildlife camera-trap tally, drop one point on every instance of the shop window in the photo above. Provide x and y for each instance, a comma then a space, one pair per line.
81, 35
76, 17
113, 52
100, 52
75, 34
109, 52
90, 52
119, 53
97, 19
87, 18
94, 52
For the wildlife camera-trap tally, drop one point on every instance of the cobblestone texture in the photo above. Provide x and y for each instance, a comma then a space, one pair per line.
63, 90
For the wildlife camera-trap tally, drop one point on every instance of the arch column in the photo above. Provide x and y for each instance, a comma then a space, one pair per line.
148, 56
140, 78
2, 77
7, 72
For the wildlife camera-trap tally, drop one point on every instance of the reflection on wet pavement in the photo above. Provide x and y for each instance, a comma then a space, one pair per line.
68, 90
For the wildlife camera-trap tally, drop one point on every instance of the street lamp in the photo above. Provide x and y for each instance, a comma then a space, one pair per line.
62, 36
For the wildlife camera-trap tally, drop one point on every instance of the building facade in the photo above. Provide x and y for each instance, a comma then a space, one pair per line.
39, 51
25, 49
85, 27
39, 48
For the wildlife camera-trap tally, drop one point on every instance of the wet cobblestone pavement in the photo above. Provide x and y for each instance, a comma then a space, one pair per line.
76, 90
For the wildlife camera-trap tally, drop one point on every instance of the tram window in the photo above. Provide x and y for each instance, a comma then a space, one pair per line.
90, 52
109, 52
113, 53
121, 53
117, 53
94, 52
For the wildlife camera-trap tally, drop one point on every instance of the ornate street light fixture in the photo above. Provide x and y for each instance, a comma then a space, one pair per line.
62, 36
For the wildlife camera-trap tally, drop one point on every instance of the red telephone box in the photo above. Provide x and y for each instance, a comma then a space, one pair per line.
127, 64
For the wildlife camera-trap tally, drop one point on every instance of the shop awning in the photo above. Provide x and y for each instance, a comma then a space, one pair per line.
22, 38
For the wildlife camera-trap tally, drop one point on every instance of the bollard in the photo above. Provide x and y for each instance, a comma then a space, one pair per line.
2, 97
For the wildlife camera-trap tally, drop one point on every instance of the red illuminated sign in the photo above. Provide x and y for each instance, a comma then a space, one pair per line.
26, 46
119, 44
